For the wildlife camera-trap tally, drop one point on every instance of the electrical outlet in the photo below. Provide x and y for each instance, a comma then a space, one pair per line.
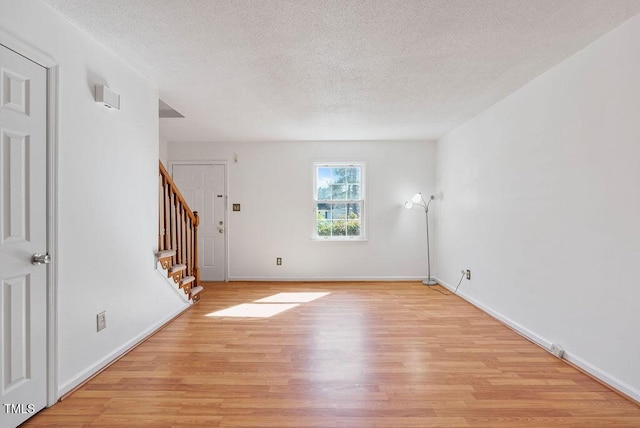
101, 318
279, 261
557, 350
468, 273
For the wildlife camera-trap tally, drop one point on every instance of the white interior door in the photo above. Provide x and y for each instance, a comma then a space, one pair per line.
23, 232
203, 187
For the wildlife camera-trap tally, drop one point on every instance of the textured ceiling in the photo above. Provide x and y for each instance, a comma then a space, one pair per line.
265, 70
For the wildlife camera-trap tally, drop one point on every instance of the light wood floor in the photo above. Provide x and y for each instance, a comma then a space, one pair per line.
366, 355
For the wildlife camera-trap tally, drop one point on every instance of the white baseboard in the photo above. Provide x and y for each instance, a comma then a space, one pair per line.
539, 340
603, 376
325, 278
594, 371
100, 364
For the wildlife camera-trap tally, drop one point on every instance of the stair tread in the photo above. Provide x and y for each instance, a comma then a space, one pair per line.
165, 253
195, 291
187, 279
177, 268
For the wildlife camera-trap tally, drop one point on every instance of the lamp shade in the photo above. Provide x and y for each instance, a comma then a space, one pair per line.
416, 198
408, 204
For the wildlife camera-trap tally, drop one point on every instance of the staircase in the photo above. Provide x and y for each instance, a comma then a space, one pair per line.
178, 239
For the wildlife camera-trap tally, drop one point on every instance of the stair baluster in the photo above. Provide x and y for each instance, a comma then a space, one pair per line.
178, 237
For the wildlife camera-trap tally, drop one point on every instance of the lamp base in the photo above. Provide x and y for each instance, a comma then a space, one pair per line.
430, 281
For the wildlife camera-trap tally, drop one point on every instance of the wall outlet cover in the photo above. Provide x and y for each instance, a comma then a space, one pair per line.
101, 320
557, 350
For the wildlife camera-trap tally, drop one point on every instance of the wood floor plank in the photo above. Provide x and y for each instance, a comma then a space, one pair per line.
369, 354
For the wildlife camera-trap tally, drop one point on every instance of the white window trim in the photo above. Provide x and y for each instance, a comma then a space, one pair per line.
363, 191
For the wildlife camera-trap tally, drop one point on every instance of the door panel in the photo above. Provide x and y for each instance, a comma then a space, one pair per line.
16, 166
15, 337
203, 187
208, 253
23, 287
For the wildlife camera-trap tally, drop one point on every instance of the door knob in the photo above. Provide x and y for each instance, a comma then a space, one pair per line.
221, 230
40, 259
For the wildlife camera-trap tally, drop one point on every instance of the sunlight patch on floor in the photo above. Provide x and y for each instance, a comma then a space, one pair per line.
254, 310
268, 306
301, 297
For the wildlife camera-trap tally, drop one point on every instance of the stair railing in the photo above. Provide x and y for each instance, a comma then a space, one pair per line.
178, 228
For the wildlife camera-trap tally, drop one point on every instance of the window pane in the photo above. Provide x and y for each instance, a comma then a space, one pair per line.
324, 174
353, 192
324, 193
339, 211
353, 219
323, 222
323, 227
353, 211
338, 192
323, 211
353, 175
339, 175
353, 227
324, 182
339, 227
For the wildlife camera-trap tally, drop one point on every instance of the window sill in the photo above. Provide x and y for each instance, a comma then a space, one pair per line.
339, 239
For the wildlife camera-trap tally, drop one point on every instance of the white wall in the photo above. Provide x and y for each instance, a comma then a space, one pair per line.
107, 196
541, 202
164, 151
273, 182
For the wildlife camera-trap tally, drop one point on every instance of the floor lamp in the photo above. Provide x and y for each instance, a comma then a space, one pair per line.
418, 199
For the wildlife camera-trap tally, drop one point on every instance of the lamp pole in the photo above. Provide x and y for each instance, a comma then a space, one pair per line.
418, 199
429, 280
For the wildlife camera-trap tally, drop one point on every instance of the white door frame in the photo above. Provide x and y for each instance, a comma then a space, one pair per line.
226, 204
34, 54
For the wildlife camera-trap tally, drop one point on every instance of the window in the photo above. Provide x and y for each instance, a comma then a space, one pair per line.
339, 201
